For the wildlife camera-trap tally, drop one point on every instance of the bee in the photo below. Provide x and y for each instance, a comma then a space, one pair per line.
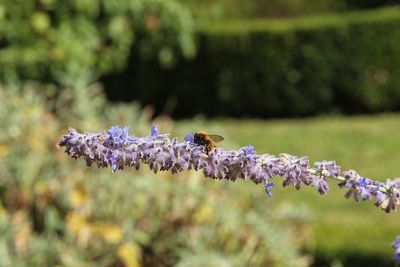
206, 140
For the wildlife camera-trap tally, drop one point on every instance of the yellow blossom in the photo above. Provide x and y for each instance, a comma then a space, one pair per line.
129, 253
204, 213
3, 150
110, 233
79, 227
77, 197
75, 222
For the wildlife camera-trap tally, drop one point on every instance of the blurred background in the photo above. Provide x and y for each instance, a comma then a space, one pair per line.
316, 78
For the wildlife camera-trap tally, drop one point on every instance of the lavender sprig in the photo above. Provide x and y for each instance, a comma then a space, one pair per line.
116, 149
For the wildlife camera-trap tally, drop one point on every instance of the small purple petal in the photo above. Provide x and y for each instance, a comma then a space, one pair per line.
321, 185
390, 199
154, 131
112, 159
295, 170
267, 188
189, 138
117, 136
247, 150
396, 246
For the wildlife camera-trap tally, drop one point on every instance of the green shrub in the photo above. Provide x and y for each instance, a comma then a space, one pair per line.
55, 211
338, 63
43, 40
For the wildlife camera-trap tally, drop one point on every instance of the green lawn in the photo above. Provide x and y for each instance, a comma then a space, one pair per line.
341, 229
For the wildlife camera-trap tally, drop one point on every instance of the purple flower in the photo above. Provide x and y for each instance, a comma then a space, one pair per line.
264, 167
267, 188
321, 185
389, 200
295, 170
247, 150
113, 159
189, 138
154, 131
321, 172
367, 189
396, 258
396, 246
358, 186
182, 154
117, 135
327, 168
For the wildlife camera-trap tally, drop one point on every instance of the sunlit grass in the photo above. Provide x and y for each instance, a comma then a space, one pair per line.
368, 144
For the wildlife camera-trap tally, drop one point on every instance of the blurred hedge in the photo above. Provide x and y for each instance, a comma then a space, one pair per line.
339, 63
236, 9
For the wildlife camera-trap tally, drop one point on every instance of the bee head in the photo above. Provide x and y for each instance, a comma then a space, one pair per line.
197, 137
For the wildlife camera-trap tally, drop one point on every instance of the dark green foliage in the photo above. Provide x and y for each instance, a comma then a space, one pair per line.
340, 63
237, 9
356, 4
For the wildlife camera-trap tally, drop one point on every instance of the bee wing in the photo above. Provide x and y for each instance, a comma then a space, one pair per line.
216, 138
